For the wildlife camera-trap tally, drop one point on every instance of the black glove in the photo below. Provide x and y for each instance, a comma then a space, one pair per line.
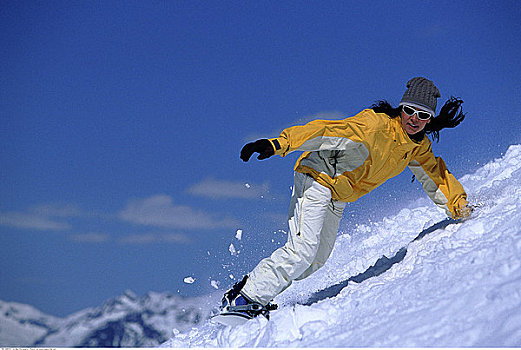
263, 147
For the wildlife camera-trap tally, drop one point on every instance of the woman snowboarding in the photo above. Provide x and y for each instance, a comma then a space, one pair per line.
342, 161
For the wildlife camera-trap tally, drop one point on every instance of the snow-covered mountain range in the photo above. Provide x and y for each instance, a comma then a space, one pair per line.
127, 321
413, 279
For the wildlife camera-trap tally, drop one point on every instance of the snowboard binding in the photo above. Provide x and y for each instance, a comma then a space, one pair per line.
236, 308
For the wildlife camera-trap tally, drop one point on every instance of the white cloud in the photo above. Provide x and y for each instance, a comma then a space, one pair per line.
57, 210
44, 217
160, 211
89, 238
137, 239
150, 238
220, 189
32, 220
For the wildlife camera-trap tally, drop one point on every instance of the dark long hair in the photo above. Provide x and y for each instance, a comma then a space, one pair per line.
451, 115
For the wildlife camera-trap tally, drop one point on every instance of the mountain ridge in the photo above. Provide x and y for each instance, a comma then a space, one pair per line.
126, 320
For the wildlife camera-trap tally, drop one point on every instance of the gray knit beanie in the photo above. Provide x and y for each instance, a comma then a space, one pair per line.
421, 93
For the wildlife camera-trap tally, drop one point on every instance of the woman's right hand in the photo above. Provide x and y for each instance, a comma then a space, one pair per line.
262, 146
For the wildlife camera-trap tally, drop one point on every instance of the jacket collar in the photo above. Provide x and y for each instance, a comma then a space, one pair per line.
400, 135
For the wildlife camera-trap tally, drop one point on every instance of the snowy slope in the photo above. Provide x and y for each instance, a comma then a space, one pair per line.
126, 320
412, 280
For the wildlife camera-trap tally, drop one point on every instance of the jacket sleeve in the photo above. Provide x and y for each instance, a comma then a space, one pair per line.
439, 184
320, 135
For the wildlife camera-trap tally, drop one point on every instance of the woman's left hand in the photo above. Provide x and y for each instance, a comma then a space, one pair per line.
464, 211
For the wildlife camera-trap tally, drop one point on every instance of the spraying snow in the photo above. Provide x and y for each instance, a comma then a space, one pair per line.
411, 280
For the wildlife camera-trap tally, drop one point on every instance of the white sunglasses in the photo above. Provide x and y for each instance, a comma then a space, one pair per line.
422, 115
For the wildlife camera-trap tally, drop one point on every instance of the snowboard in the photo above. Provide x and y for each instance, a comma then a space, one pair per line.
230, 318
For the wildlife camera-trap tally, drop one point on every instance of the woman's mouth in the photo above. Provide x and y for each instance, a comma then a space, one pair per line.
413, 126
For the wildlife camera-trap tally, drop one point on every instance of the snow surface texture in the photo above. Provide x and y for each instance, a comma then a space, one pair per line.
412, 280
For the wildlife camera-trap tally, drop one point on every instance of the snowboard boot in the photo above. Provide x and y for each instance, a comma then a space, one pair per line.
236, 303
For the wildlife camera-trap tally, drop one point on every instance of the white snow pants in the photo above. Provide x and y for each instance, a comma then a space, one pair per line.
313, 224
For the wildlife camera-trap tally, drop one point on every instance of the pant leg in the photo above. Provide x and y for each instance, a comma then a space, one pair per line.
327, 237
308, 210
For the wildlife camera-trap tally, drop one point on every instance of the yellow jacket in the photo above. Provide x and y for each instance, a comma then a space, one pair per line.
355, 155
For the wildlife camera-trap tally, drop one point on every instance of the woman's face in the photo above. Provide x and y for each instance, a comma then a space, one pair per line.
411, 124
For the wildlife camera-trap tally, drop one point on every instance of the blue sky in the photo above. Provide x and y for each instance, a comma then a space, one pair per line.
122, 122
